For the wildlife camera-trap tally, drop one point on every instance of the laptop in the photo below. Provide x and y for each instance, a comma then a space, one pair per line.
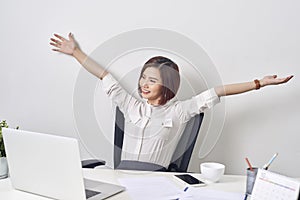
50, 166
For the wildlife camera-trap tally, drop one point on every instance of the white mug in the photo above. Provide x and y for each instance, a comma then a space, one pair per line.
212, 171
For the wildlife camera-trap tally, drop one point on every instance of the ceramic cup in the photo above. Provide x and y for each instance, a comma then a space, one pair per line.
212, 171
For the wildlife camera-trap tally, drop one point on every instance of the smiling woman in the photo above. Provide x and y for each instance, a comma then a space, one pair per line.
197, 74
159, 80
150, 86
155, 125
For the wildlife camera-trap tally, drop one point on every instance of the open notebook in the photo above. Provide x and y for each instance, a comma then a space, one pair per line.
269, 186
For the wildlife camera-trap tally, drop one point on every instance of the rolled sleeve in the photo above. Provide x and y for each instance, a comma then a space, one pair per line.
126, 102
108, 82
207, 99
191, 107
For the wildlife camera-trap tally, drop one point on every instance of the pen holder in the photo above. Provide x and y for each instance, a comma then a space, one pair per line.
251, 176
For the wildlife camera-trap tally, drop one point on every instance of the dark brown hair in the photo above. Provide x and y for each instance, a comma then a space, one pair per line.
169, 73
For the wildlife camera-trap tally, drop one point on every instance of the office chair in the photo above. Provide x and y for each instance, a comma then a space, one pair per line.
181, 156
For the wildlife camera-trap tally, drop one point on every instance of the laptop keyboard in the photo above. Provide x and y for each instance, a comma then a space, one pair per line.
90, 193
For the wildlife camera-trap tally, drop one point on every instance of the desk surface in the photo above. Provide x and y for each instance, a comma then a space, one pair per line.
230, 183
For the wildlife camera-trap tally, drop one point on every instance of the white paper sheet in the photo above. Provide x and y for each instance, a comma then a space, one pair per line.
160, 188
202, 193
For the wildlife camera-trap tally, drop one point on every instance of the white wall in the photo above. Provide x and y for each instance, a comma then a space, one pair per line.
244, 39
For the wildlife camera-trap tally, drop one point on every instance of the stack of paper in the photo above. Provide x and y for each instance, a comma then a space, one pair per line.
162, 188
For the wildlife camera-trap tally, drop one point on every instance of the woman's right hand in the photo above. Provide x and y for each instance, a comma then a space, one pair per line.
70, 47
63, 45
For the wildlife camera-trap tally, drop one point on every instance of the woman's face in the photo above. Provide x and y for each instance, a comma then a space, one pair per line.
151, 85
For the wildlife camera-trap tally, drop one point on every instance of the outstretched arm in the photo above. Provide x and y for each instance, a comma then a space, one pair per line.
70, 47
239, 88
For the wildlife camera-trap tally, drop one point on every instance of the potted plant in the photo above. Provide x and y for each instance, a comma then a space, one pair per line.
3, 161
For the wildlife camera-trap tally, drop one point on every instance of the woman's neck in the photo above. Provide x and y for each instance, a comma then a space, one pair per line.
153, 103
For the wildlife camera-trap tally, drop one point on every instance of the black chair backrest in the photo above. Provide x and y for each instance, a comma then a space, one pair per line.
183, 152
182, 155
119, 136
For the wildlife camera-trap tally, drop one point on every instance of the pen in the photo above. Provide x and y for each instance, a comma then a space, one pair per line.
249, 164
185, 189
266, 166
246, 196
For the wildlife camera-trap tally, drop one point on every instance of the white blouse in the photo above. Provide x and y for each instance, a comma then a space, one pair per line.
152, 132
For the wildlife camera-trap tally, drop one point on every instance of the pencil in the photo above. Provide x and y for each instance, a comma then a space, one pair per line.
249, 164
266, 166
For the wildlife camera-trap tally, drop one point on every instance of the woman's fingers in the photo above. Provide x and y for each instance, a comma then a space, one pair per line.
56, 41
284, 80
59, 37
56, 44
274, 80
55, 50
288, 78
63, 45
53, 44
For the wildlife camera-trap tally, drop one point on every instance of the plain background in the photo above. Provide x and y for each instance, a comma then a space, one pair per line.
244, 39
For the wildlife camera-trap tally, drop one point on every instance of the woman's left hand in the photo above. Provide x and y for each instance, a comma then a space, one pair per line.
273, 80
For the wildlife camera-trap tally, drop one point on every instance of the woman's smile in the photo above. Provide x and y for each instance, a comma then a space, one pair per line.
151, 85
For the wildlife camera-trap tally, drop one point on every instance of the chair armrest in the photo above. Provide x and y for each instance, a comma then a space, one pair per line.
92, 163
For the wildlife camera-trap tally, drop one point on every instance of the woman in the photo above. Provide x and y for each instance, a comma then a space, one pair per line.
155, 124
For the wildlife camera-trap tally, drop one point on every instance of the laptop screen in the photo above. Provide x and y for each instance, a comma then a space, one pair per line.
44, 164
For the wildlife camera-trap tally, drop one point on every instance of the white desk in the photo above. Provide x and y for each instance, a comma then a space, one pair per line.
230, 183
